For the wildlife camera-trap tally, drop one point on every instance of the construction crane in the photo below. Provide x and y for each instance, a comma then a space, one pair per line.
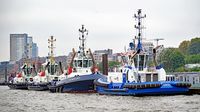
158, 39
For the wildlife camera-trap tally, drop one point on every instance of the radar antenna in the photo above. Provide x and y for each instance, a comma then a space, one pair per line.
139, 27
51, 49
82, 38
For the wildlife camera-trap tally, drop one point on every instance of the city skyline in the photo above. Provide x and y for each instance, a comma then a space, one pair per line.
22, 46
110, 23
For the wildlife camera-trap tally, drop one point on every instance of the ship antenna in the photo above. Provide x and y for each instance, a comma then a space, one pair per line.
139, 27
51, 49
82, 39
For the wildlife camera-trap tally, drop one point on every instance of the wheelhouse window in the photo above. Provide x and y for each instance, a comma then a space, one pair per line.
141, 62
27, 71
80, 63
85, 63
52, 69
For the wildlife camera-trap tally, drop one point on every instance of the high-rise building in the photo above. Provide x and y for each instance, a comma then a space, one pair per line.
29, 46
18, 44
34, 50
98, 54
108, 51
22, 46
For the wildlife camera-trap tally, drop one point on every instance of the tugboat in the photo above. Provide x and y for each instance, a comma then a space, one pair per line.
50, 71
135, 79
24, 77
81, 73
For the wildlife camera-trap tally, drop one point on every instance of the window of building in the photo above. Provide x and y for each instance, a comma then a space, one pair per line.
193, 80
181, 78
188, 79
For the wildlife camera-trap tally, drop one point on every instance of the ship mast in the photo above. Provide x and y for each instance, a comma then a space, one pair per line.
139, 27
51, 48
82, 39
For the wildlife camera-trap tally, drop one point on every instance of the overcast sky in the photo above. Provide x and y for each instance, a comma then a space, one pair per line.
110, 22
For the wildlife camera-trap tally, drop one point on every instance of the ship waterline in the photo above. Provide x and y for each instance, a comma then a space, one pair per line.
42, 101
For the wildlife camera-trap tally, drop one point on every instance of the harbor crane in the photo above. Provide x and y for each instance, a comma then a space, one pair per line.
158, 39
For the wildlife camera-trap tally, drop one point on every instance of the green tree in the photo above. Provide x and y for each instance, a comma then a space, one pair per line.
194, 47
195, 69
172, 59
112, 64
190, 59
183, 47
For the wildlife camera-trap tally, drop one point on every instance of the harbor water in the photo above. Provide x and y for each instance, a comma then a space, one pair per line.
44, 101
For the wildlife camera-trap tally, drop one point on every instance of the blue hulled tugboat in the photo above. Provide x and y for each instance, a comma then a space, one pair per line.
81, 73
135, 78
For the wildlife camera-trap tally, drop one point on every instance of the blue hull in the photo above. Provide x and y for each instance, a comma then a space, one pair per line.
142, 89
138, 92
78, 84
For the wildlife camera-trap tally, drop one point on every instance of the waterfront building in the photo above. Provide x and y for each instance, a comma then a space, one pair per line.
29, 46
108, 51
34, 50
192, 65
17, 46
98, 55
117, 57
21, 46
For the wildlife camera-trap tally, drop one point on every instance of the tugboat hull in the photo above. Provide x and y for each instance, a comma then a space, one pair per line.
142, 92
78, 84
38, 87
142, 89
18, 86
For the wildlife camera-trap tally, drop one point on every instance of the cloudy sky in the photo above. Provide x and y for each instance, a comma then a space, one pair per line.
110, 22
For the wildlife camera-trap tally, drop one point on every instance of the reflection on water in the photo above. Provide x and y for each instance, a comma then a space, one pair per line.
41, 101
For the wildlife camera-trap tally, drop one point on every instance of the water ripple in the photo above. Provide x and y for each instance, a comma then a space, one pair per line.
43, 101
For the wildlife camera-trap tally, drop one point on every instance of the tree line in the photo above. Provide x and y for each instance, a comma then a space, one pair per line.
174, 59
